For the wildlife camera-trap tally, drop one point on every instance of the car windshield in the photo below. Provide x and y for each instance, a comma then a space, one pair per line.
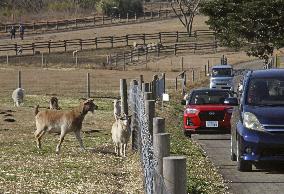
266, 92
209, 97
221, 72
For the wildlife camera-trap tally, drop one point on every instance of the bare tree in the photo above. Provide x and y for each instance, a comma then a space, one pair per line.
188, 9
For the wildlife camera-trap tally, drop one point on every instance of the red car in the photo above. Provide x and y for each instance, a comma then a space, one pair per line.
205, 111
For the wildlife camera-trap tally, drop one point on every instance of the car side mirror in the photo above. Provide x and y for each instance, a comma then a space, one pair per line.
231, 101
183, 102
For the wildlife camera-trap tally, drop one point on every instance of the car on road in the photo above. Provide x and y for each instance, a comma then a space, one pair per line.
257, 133
222, 77
205, 111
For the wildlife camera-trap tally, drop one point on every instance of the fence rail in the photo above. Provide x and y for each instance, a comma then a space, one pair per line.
93, 21
104, 42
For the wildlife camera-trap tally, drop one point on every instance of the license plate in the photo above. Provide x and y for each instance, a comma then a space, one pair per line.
211, 123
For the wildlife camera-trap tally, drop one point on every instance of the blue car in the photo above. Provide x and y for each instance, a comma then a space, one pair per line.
257, 123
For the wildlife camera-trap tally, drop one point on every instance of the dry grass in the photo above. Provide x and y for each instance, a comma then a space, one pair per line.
25, 169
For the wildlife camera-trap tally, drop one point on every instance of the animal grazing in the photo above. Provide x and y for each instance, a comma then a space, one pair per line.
18, 96
53, 103
116, 108
120, 134
62, 122
139, 47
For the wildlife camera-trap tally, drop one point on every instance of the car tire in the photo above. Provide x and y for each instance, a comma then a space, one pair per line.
242, 165
187, 133
233, 155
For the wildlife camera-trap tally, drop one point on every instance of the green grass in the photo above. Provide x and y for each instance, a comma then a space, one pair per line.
202, 176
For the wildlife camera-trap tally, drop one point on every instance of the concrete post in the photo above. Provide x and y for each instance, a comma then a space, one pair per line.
19, 79
161, 146
88, 86
123, 95
158, 125
134, 124
150, 112
174, 173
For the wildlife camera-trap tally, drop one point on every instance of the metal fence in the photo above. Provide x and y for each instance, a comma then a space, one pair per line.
145, 141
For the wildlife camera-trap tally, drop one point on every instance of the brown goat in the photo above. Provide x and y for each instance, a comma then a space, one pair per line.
62, 122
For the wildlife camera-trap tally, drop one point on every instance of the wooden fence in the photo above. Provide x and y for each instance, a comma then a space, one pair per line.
136, 55
94, 21
107, 42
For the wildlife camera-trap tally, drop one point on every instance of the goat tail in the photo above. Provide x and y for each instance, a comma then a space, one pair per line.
36, 109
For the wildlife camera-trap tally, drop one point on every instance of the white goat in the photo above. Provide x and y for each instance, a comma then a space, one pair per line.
120, 134
62, 122
18, 96
116, 108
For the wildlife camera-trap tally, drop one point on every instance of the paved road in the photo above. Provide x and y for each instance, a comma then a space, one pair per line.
260, 181
267, 180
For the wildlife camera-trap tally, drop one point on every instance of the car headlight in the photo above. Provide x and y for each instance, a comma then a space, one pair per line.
251, 122
190, 111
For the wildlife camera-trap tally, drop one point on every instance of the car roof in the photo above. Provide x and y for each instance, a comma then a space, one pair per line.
222, 66
208, 89
267, 73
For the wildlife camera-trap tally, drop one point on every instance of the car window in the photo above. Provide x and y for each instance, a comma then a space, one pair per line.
268, 92
221, 72
209, 97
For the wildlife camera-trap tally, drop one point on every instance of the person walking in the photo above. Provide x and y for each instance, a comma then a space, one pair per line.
13, 32
21, 30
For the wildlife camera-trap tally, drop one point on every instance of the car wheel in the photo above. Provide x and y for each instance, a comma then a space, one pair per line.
233, 155
242, 165
187, 133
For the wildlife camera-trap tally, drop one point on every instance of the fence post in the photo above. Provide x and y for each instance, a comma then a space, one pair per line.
141, 81
7, 60
134, 124
135, 16
205, 70
127, 17
65, 46
81, 45
159, 12
195, 47
160, 37
76, 60
123, 95
175, 49
182, 63
155, 78
177, 36
124, 61
158, 125
111, 41
161, 148
146, 58
42, 60
96, 42
144, 39
88, 86
150, 113
19, 79
151, 14
33, 48
33, 26
94, 20
164, 81
16, 48
75, 23
116, 58
56, 25
193, 78
126, 39
176, 84
46, 25
103, 19
49, 42
174, 173
208, 67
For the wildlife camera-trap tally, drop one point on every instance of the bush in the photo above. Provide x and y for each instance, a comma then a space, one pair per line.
113, 7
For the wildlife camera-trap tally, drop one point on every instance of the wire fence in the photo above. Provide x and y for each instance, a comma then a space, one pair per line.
145, 142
